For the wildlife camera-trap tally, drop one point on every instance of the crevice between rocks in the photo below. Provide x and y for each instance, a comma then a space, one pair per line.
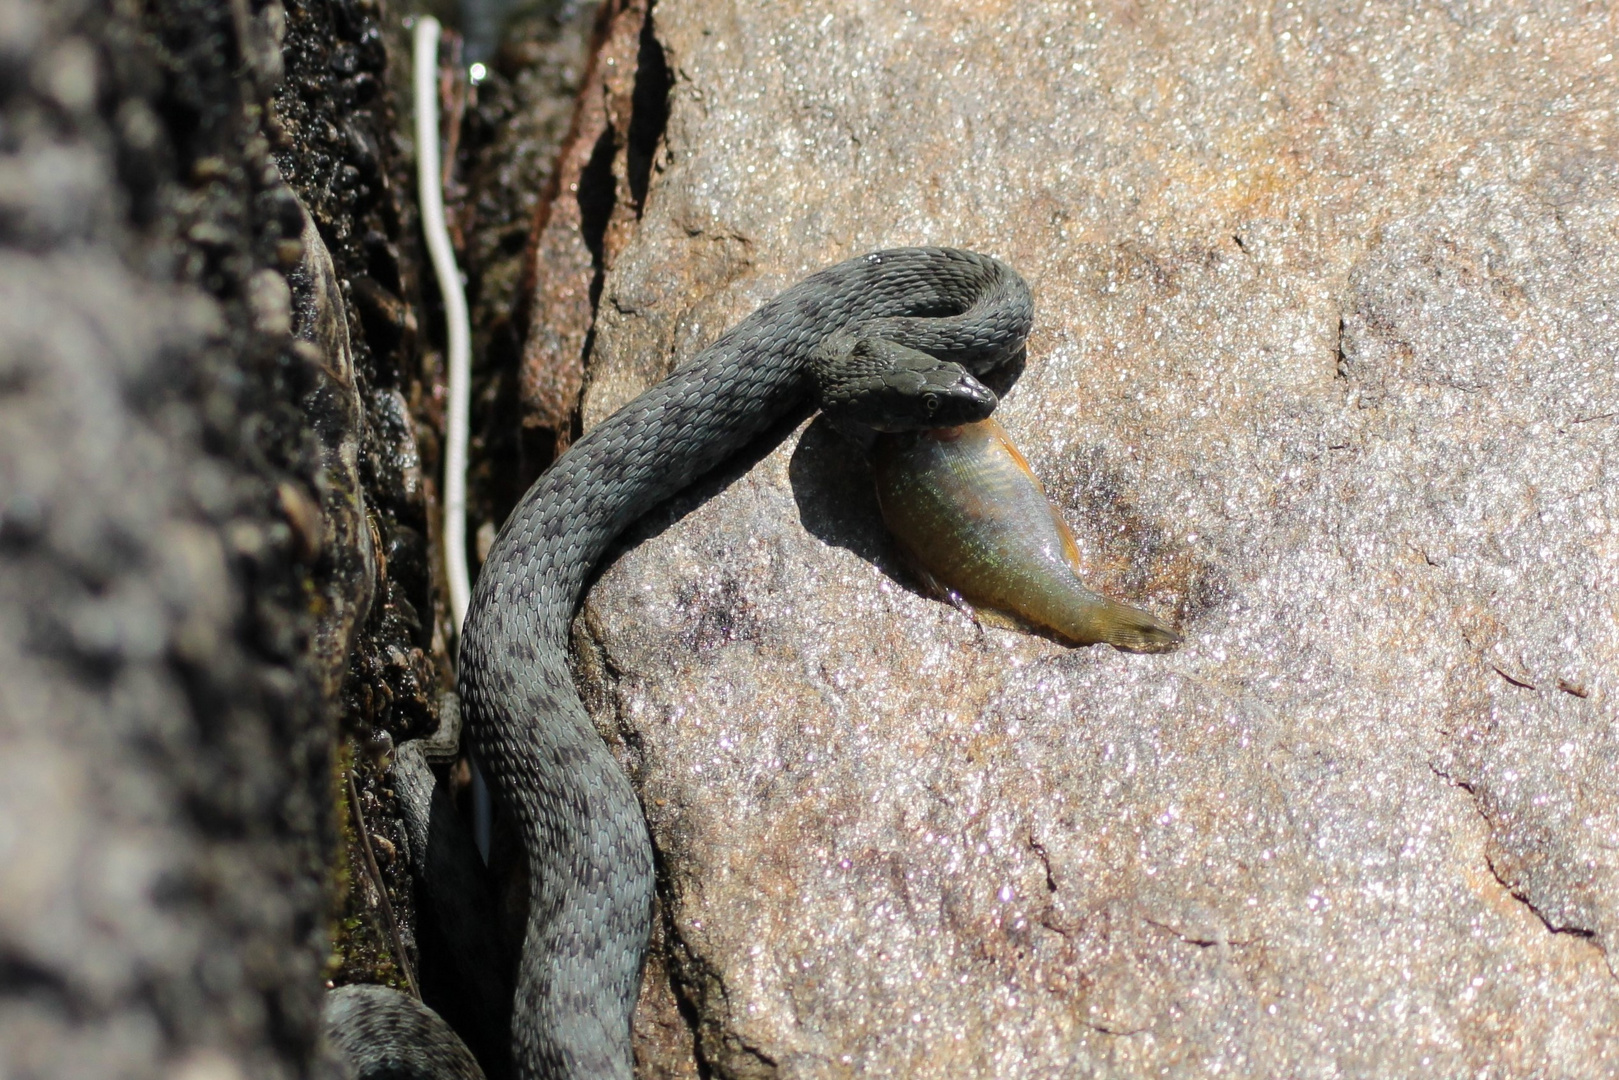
649, 115
619, 171
592, 208
704, 1000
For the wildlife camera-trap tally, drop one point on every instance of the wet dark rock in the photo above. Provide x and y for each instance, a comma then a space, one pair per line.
385, 316
342, 150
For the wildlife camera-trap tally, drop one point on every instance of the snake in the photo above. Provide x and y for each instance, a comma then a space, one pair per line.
894, 340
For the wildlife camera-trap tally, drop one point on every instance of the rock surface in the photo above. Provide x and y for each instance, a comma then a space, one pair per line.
601, 178
1324, 368
213, 552
164, 725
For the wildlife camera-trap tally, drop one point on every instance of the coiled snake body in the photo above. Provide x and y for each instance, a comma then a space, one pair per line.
892, 340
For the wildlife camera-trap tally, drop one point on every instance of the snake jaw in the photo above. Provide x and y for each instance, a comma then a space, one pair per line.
945, 403
966, 402
887, 386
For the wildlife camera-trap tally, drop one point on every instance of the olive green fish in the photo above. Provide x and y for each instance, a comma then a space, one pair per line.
976, 523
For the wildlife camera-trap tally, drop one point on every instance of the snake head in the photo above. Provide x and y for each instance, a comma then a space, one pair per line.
890, 387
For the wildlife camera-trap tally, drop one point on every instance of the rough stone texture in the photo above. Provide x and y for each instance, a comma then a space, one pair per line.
209, 489
1325, 369
164, 817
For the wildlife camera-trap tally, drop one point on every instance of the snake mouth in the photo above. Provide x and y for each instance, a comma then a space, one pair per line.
938, 400
965, 401
971, 401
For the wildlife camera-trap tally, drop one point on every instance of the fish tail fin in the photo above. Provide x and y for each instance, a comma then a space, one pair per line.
1132, 629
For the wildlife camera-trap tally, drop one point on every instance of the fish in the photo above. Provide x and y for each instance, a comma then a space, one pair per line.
976, 524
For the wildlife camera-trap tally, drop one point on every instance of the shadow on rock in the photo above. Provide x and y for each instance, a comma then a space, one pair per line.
837, 502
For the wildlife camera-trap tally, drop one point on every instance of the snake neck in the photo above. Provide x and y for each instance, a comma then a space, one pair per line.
676, 431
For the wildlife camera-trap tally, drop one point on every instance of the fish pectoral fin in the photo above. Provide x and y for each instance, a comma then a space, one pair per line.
982, 617
931, 586
934, 588
1000, 620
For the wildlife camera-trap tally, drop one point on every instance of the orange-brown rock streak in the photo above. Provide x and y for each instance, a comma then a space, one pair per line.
569, 250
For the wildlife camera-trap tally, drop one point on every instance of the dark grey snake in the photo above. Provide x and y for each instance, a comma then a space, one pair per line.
891, 340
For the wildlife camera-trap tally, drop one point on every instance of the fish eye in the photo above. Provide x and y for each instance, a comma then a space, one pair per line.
930, 402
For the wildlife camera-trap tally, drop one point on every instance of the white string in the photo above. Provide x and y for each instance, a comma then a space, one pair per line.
430, 195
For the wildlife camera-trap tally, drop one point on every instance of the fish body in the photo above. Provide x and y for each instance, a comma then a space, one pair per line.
974, 520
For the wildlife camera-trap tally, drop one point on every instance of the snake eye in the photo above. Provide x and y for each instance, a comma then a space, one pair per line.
930, 402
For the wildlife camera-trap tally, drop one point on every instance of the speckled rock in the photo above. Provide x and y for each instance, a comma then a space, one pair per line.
164, 814
1326, 369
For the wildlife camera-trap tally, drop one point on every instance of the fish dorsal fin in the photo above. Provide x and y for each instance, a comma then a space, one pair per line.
1017, 455
1070, 547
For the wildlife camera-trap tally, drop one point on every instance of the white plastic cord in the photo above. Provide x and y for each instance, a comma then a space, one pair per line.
430, 194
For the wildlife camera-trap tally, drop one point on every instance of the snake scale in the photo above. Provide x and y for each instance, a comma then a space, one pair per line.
892, 340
